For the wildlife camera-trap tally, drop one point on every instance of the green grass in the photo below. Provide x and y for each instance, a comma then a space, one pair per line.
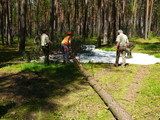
60, 92
116, 81
50, 92
148, 101
150, 46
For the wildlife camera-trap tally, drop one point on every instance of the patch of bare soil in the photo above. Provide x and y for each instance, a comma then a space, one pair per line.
136, 84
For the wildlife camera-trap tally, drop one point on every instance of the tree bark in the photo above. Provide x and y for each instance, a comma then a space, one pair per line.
2, 22
146, 19
22, 35
52, 19
150, 15
85, 20
114, 16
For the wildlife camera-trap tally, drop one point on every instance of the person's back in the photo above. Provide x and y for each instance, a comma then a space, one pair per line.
65, 44
122, 39
66, 41
45, 45
44, 39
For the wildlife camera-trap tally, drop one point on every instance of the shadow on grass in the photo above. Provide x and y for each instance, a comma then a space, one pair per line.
152, 46
4, 108
33, 86
149, 46
8, 53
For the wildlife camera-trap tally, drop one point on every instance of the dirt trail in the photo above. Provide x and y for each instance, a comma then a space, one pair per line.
136, 84
134, 87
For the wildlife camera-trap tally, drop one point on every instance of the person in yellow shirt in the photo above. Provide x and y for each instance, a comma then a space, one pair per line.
65, 44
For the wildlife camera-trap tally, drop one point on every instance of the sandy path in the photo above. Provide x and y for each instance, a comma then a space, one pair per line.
134, 87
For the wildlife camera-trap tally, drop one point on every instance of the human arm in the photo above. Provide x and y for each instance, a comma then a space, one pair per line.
48, 40
117, 42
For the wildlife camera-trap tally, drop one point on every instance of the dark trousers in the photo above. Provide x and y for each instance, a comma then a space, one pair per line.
65, 52
121, 50
45, 50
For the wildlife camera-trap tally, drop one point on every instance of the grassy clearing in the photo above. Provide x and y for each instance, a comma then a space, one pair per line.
60, 92
49, 92
150, 46
116, 81
148, 101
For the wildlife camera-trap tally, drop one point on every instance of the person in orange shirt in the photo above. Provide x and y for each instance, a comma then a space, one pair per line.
65, 44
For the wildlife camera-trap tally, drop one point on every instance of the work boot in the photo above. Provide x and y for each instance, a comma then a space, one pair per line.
123, 64
116, 65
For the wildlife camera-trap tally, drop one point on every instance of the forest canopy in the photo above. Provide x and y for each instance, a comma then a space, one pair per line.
87, 18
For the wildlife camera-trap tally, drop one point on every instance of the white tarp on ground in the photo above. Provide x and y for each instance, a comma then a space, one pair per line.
100, 56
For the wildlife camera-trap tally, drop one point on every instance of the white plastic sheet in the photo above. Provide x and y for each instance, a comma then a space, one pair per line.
100, 56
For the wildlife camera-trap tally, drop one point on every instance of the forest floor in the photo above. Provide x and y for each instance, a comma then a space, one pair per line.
60, 92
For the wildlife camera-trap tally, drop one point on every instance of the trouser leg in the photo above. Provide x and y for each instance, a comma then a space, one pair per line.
123, 58
46, 54
66, 56
65, 53
117, 57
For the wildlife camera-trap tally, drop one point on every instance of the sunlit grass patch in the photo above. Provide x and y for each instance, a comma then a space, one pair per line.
150, 46
64, 92
151, 87
84, 104
115, 80
109, 48
147, 105
23, 66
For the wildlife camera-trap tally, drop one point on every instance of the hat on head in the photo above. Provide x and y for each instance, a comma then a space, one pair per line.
69, 33
120, 31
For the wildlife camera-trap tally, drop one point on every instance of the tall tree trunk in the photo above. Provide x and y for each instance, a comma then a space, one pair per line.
99, 24
11, 21
114, 16
146, 19
133, 17
52, 19
30, 16
37, 17
8, 22
85, 20
2, 22
22, 35
150, 15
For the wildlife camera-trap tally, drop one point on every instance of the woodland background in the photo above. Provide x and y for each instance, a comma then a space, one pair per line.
86, 18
